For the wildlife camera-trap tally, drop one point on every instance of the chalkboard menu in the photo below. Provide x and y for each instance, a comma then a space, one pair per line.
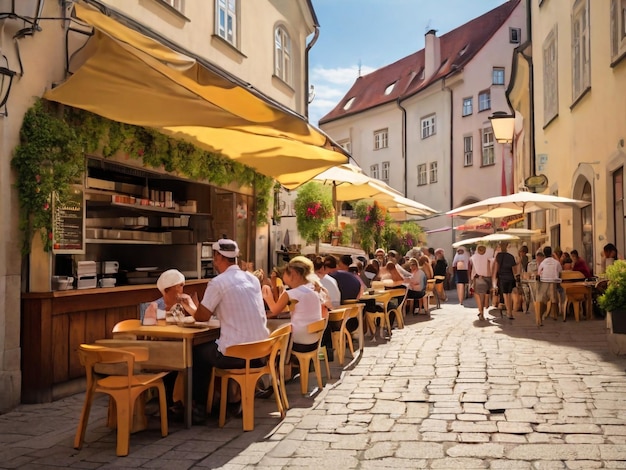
68, 223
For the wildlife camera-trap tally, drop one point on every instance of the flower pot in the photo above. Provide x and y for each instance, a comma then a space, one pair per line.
618, 321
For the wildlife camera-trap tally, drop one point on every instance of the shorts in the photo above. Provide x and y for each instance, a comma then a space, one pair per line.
549, 291
482, 285
461, 277
506, 285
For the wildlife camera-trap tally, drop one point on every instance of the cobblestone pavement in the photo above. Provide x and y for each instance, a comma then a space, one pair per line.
447, 392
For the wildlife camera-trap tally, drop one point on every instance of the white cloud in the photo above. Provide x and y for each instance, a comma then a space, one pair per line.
330, 86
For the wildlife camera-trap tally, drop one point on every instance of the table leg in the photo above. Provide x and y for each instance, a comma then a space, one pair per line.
188, 345
361, 331
537, 306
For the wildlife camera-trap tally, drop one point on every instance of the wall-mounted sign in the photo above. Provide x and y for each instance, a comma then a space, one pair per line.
537, 183
68, 223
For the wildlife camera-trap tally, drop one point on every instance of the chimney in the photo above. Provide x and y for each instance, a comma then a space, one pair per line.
432, 54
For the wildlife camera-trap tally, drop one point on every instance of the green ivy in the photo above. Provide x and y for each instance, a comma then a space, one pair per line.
53, 143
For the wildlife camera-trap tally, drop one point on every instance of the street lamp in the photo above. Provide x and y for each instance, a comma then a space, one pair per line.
503, 125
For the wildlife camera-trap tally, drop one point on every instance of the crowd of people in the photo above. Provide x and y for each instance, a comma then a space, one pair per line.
307, 287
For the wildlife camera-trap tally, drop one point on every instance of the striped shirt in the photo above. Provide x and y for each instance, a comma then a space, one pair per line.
235, 298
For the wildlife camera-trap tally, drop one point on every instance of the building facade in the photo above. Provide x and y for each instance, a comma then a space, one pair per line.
422, 124
579, 96
259, 46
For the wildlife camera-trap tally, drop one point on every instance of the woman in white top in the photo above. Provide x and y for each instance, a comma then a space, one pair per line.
460, 264
307, 307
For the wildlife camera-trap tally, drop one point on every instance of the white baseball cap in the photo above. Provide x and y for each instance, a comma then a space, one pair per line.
227, 248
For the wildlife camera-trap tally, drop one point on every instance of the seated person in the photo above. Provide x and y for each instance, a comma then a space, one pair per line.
579, 264
549, 272
234, 297
416, 283
171, 283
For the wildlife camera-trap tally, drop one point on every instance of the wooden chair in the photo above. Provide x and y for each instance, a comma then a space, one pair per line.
577, 297
123, 389
121, 329
383, 317
305, 358
430, 294
279, 357
401, 294
342, 337
246, 377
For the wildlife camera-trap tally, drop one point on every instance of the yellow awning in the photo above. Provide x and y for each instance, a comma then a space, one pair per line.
135, 79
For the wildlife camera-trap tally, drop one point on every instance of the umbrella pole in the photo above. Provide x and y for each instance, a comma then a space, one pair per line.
335, 204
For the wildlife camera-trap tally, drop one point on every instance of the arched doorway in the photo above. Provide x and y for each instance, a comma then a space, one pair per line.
583, 220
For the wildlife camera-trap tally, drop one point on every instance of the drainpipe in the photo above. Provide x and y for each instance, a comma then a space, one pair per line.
446, 87
531, 89
316, 35
403, 147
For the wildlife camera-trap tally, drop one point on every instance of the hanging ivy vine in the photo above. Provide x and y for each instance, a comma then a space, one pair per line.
53, 144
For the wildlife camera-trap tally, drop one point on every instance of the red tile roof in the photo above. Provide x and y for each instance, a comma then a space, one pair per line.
368, 91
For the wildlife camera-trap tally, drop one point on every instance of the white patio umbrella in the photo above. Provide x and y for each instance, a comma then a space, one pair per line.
491, 238
351, 184
518, 203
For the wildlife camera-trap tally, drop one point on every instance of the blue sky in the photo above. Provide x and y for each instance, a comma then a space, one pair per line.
368, 34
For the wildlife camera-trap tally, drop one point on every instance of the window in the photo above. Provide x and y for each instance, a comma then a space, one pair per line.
374, 171
381, 139
468, 150
468, 106
226, 20
348, 103
282, 55
433, 172
385, 175
550, 77
498, 76
346, 145
489, 156
581, 73
390, 88
618, 28
176, 4
421, 174
428, 126
484, 100
515, 35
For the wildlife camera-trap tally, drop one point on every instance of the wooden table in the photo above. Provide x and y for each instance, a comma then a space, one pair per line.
173, 352
588, 295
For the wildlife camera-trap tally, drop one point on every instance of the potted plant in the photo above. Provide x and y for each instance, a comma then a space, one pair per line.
613, 300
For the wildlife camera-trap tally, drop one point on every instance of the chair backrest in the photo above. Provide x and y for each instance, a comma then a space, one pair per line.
281, 345
92, 355
384, 298
317, 326
281, 330
400, 292
252, 350
122, 328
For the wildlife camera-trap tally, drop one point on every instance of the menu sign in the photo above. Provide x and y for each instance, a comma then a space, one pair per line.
68, 223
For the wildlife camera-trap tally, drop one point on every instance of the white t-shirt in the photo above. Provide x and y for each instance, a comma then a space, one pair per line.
306, 311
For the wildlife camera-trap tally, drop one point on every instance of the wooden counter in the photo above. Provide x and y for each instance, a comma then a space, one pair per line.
55, 323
